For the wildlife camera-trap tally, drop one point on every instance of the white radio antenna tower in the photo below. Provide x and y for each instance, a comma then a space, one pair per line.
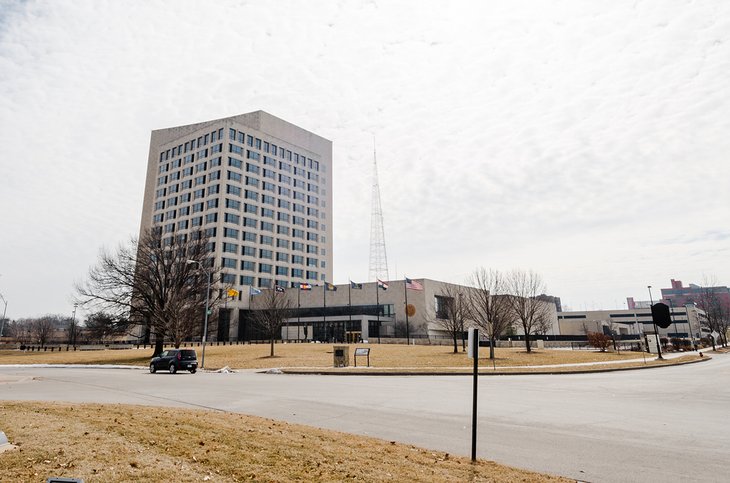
378, 258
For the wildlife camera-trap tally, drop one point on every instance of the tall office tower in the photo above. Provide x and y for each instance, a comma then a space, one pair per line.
260, 187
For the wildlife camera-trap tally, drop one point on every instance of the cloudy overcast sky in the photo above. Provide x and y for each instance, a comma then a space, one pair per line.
588, 141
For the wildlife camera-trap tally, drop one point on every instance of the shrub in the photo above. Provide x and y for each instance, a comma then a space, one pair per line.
599, 341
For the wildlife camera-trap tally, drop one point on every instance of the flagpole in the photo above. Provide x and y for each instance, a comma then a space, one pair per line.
299, 310
377, 309
349, 302
250, 315
405, 290
324, 309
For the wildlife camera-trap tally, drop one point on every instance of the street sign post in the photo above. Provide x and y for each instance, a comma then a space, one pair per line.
474, 354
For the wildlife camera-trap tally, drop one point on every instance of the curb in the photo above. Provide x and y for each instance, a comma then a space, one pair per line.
327, 372
73, 366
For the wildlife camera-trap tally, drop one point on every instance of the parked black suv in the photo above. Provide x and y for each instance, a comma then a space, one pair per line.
174, 360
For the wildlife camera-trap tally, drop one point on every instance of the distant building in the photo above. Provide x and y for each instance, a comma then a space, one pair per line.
553, 300
687, 322
367, 313
259, 187
679, 295
637, 304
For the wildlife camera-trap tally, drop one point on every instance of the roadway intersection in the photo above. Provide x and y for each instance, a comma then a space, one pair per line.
663, 424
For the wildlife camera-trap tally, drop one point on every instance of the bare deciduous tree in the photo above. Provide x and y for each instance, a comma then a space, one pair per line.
43, 328
452, 313
156, 282
489, 305
531, 313
19, 330
271, 309
717, 312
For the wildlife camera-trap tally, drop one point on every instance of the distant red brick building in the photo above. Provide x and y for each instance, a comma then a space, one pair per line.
679, 295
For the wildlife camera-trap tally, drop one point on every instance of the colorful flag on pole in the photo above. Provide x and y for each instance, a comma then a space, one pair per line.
413, 285
253, 291
330, 287
305, 286
279, 289
382, 285
356, 286
232, 292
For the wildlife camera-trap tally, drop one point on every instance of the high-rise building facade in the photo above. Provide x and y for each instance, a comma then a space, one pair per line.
260, 188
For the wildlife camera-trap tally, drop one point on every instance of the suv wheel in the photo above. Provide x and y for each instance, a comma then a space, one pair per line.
153, 369
192, 371
173, 369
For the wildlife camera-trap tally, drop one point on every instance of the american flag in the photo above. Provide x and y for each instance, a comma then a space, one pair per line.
382, 285
305, 286
413, 285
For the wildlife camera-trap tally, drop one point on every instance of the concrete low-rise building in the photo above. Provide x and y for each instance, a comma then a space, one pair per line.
355, 311
363, 311
687, 322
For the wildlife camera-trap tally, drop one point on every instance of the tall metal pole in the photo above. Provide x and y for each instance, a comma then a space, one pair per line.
656, 329
324, 310
72, 329
474, 339
405, 290
207, 308
249, 317
689, 325
205, 325
674, 321
299, 311
641, 334
2, 324
377, 307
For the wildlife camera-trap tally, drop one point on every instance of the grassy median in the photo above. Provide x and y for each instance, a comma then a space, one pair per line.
256, 356
137, 443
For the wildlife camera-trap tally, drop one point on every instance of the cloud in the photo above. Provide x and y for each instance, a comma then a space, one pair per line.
560, 136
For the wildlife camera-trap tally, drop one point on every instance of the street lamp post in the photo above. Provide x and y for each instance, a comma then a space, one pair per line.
2, 324
689, 325
207, 302
671, 314
72, 329
656, 329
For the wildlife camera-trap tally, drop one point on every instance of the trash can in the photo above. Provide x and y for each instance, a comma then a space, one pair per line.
341, 355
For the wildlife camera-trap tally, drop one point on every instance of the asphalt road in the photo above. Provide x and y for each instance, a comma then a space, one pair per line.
666, 424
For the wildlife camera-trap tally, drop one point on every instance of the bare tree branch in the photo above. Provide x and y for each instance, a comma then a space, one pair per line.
717, 312
452, 312
489, 304
533, 314
156, 282
272, 310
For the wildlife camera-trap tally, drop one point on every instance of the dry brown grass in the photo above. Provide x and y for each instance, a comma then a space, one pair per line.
136, 443
320, 355
486, 368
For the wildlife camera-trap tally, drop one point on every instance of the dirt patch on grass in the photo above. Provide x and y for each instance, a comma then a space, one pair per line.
136, 443
320, 355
